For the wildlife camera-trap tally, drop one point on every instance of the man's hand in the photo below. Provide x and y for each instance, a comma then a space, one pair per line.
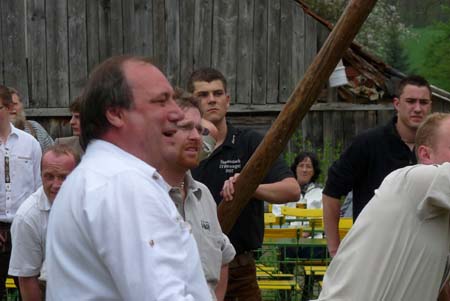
227, 192
284, 191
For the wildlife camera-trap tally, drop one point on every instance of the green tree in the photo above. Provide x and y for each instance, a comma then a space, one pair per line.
437, 64
381, 34
395, 54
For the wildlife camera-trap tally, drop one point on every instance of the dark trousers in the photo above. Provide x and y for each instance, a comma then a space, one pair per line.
242, 284
5, 255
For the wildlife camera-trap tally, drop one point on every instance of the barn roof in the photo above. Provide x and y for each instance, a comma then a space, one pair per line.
370, 78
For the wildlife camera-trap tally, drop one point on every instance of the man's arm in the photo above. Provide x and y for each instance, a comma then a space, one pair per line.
284, 191
221, 287
29, 288
331, 210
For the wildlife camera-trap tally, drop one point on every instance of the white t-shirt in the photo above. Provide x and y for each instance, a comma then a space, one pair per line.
20, 171
397, 249
114, 234
28, 232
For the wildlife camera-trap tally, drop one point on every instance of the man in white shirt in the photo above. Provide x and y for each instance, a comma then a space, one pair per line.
114, 233
398, 247
29, 228
194, 200
20, 157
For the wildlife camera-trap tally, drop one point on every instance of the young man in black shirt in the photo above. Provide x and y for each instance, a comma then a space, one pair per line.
374, 154
218, 172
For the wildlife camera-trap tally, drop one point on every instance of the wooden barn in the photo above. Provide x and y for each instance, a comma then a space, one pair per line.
48, 47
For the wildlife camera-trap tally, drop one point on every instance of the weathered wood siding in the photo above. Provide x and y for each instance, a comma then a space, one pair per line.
48, 47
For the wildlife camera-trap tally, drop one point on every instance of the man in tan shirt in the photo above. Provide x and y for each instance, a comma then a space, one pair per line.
398, 247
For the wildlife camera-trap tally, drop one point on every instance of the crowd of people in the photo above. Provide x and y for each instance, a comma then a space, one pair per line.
136, 218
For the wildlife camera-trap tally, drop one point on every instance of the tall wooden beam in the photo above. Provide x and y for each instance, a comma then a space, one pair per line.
300, 101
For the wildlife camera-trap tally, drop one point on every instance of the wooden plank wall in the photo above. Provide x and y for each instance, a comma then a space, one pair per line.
263, 47
48, 47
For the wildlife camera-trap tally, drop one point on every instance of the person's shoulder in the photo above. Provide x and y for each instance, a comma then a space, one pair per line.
67, 140
36, 125
23, 136
418, 173
206, 193
30, 206
27, 141
372, 134
246, 136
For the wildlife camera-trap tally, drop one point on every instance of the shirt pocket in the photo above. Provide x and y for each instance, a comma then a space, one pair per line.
22, 167
210, 249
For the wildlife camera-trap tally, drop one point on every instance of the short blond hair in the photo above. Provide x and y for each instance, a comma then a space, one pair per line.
427, 132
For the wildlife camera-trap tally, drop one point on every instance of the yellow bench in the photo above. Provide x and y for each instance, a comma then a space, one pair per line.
262, 274
278, 284
282, 233
315, 270
10, 283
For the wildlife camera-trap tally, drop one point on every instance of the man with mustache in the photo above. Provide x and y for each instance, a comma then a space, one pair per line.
19, 119
193, 199
218, 172
374, 154
114, 233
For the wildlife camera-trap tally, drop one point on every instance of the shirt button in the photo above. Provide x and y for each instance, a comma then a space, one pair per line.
155, 177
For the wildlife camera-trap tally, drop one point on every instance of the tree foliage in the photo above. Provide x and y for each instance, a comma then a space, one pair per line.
381, 34
437, 64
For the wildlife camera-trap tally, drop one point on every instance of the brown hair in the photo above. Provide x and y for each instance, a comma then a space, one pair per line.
74, 107
427, 131
414, 80
61, 150
5, 96
205, 75
186, 100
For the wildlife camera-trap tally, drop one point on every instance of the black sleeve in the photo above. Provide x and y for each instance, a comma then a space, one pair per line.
350, 167
279, 169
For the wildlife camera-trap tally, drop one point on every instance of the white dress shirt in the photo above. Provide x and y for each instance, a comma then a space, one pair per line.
20, 171
114, 234
28, 231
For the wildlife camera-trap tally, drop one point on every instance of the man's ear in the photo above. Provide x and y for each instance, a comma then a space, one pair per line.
115, 117
228, 100
395, 102
424, 154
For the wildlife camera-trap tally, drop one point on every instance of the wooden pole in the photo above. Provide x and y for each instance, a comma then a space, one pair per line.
299, 103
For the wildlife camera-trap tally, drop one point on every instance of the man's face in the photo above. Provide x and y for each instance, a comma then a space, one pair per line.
412, 106
75, 123
4, 113
440, 152
214, 101
55, 169
149, 125
16, 110
187, 141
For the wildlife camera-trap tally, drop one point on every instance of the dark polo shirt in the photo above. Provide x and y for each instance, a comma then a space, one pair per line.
228, 159
366, 162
